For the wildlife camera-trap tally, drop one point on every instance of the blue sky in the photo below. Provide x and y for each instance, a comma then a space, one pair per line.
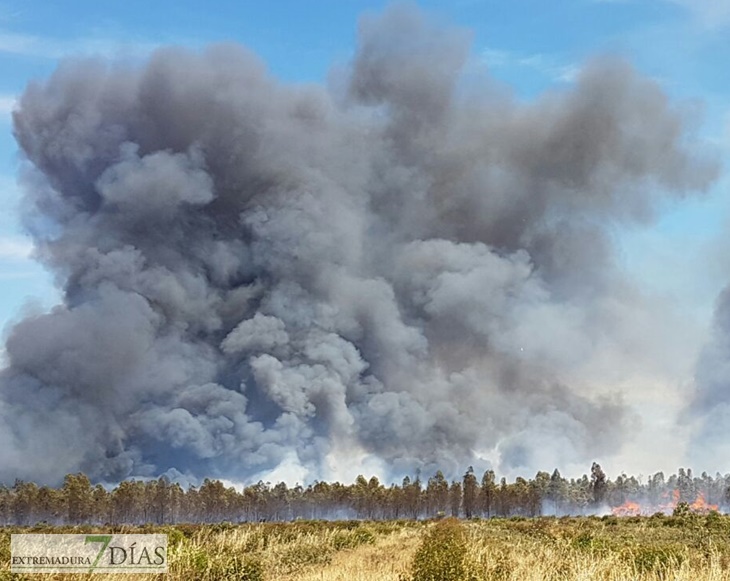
529, 45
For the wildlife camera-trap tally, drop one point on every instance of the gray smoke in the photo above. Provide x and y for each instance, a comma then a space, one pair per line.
407, 266
709, 409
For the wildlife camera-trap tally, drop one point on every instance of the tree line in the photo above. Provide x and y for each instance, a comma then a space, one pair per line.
163, 502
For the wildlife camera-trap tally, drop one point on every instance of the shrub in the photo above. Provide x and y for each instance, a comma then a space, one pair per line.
174, 537
296, 557
246, 569
199, 562
657, 519
583, 541
255, 540
364, 536
713, 520
682, 509
588, 543
188, 530
442, 554
349, 539
654, 559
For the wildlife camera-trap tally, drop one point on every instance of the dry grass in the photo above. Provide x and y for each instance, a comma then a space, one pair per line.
600, 550
266, 552
582, 549
387, 560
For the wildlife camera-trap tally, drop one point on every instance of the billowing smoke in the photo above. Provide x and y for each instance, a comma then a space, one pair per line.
710, 407
402, 270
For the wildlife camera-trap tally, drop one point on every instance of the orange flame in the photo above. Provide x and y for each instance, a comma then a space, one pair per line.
628, 508
668, 506
700, 505
631, 508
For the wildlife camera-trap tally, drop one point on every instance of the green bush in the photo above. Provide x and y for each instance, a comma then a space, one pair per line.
175, 537
256, 540
188, 530
246, 569
350, 539
364, 536
713, 520
588, 543
583, 541
199, 562
656, 559
297, 557
682, 509
442, 554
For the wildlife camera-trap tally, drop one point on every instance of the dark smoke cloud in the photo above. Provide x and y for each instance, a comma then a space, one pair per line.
253, 272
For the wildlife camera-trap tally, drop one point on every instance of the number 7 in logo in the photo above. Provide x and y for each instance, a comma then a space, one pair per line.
105, 540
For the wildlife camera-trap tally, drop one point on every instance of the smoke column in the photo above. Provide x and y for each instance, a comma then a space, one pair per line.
403, 269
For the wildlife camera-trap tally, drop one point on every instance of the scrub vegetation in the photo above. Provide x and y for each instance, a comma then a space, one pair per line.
687, 546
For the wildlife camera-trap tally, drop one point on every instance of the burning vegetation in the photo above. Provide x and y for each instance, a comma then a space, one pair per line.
672, 505
163, 502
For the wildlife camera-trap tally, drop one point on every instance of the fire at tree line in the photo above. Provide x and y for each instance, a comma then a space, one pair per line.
162, 502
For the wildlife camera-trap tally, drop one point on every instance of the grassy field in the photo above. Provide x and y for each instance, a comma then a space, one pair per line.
690, 548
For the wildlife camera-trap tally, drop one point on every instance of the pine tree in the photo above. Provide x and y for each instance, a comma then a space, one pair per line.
455, 498
488, 492
470, 493
599, 485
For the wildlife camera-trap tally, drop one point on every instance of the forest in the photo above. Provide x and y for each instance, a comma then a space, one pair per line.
160, 501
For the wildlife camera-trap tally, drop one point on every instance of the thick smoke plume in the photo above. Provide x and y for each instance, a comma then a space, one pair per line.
403, 270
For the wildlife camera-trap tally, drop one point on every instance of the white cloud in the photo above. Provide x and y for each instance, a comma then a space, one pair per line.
719, 137
50, 48
544, 64
15, 248
7, 104
711, 13
15, 275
